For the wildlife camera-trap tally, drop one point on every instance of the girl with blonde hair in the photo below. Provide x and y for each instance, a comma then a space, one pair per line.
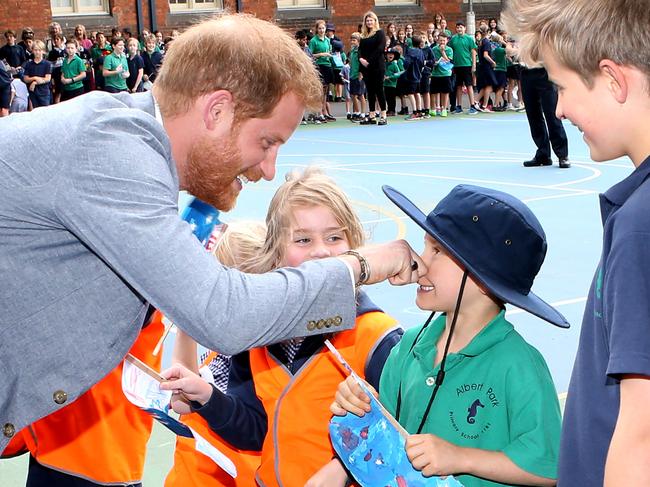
278, 396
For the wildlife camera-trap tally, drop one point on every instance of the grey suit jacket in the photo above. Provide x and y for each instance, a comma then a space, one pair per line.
90, 233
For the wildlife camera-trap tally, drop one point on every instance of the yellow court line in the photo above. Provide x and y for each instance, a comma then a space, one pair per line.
401, 226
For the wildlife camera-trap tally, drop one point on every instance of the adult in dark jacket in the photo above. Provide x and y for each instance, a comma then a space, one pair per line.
373, 64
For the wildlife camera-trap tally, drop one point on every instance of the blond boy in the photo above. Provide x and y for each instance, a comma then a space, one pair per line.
604, 89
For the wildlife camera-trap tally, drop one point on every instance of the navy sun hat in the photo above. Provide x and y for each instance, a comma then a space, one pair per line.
494, 236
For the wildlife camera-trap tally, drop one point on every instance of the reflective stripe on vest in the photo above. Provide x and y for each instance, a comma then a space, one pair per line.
297, 444
101, 436
193, 468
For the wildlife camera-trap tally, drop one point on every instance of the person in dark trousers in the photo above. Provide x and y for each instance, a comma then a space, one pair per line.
540, 98
373, 66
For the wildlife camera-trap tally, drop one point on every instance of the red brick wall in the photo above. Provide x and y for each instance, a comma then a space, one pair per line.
345, 14
17, 14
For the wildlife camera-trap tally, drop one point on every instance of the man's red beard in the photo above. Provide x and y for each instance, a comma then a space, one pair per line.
212, 166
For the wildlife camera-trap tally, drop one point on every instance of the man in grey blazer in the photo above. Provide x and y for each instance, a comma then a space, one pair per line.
89, 230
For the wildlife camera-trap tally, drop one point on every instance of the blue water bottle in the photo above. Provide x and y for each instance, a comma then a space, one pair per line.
203, 218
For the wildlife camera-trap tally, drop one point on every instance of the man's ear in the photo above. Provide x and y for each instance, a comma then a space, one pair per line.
217, 109
615, 78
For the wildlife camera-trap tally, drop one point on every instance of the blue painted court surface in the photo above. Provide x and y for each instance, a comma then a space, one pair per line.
424, 160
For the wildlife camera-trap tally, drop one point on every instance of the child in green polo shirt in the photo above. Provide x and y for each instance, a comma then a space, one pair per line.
116, 68
478, 400
393, 72
73, 71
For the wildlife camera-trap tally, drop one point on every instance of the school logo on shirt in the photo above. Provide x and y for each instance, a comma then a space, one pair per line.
473, 410
470, 414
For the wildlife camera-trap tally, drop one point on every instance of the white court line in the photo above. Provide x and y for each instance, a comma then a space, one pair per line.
452, 149
495, 157
596, 174
507, 120
511, 310
565, 302
463, 179
374, 144
383, 220
557, 196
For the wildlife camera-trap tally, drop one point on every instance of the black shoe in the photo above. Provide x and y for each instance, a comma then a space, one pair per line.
382, 121
330, 118
564, 163
368, 121
538, 162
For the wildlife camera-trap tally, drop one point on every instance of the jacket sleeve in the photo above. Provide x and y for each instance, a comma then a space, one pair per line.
121, 203
238, 416
380, 355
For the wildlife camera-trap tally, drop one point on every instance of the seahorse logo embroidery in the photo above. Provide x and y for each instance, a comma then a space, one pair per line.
472, 410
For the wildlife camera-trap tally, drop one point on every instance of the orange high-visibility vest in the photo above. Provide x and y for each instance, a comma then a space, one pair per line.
297, 443
16, 446
101, 436
192, 468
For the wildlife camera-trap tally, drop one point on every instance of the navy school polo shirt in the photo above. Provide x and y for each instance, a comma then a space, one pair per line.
615, 334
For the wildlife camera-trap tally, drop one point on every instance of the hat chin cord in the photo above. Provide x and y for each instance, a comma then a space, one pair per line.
440, 376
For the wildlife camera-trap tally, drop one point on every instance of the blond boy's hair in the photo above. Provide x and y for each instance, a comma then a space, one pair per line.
241, 244
303, 190
581, 33
256, 61
355, 35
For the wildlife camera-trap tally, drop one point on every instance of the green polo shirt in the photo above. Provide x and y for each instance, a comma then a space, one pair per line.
497, 395
111, 62
392, 73
317, 46
462, 46
354, 63
499, 57
439, 71
71, 69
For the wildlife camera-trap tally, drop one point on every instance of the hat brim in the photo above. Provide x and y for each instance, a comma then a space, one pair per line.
529, 302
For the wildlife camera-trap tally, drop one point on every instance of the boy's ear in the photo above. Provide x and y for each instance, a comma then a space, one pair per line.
616, 79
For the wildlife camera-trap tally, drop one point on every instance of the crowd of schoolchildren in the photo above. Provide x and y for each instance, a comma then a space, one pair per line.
38, 72
477, 400
427, 72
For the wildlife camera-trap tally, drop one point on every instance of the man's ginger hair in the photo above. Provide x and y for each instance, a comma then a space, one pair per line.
256, 61
581, 33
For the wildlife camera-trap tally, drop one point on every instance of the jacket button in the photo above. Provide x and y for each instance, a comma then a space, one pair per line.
311, 326
9, 430
60, 397
338, 320
430, 381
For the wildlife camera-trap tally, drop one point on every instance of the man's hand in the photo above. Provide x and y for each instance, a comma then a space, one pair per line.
395, 261
350, 398
186, 386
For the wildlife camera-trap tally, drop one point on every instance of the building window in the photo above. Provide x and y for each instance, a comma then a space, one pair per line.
195, 5
298, 4
390, 3
75, 7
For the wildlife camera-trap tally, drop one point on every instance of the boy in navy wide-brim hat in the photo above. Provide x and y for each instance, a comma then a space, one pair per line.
478, 400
